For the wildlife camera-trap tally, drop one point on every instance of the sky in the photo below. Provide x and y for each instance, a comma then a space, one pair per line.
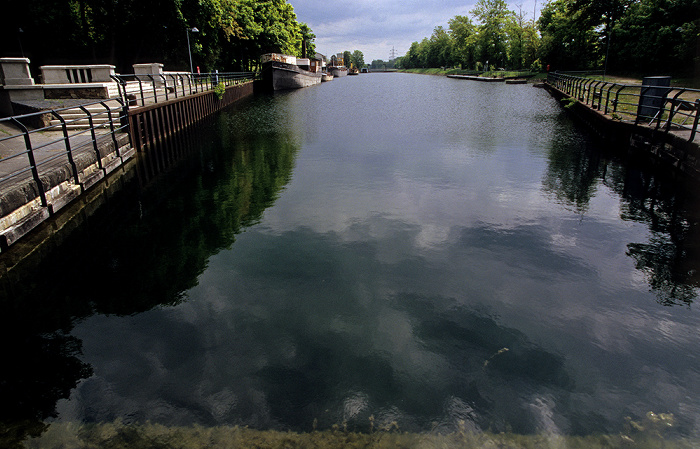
376, 26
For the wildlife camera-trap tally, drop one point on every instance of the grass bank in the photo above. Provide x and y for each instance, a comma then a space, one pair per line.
493, 74
150, 436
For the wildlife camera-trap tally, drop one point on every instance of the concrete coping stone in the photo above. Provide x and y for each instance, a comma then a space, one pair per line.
87, 66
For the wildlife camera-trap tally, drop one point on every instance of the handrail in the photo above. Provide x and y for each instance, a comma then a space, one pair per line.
678, 107
112, 112
158, 88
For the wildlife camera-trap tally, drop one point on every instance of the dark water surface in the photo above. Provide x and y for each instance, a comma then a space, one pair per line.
381, 248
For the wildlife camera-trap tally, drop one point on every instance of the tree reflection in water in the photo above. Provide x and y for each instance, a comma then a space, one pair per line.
651, 194
197, 207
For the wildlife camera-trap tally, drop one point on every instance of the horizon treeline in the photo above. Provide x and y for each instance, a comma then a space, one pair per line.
626, 36
231, 34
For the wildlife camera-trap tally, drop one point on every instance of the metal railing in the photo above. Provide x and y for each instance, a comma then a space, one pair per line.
140, 90
674, 109
33, 147
30, 151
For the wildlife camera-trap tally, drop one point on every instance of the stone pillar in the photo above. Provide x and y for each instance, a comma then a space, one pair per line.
101, 73
154, 69
15, 72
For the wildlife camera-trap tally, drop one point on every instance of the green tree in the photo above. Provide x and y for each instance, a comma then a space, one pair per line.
232, 34
494, 20
440, 49
656, 36
307, 38
463, 35
568, 41
410, 60
358, 59
347, 58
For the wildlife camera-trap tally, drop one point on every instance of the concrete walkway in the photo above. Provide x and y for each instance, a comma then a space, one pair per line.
64, 176
49, 150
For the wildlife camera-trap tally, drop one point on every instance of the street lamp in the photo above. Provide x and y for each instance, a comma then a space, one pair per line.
19, 38
189, 49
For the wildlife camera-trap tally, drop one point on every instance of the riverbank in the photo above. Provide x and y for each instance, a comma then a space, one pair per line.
118, 435
532, 77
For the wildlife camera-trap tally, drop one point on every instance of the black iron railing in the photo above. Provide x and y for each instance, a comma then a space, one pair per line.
140, 90
672, 109
40, 150
30, 149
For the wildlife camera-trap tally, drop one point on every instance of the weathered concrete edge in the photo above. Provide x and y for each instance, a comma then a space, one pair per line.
668, 147
21, 210
52, 232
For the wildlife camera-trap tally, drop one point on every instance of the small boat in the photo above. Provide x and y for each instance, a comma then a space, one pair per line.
327, 77
353, 71
282, 72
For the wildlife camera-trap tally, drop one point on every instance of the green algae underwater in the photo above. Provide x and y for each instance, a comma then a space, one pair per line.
645, 433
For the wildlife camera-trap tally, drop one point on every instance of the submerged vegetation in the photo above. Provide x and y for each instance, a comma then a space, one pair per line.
646, 433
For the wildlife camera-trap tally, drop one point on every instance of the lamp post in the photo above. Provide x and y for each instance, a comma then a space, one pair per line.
189, 49
19, 38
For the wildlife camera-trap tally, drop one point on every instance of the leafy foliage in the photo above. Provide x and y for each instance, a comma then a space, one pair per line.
626, 36
231, 34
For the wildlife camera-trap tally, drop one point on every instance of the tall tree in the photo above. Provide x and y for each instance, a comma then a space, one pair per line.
232, 34
358, 59
494, 19
568, 42
463, 35
657, 36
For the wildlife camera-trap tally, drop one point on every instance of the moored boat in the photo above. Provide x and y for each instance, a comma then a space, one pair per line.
282, 72
338, 70
327, 77
336, 66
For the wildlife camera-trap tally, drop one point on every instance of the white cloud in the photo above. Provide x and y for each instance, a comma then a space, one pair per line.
376, 27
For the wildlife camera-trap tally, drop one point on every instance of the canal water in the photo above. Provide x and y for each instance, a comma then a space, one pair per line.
381, 251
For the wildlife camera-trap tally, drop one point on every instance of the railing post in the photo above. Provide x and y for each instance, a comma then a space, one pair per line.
111, 128
121, 86
673, 110
143, 99
94, 137
165, 83
695, 122
182, 83
607, 97
174, 84
32, 161
576, 91
600, 95
69, 151
155, 93
617, 98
